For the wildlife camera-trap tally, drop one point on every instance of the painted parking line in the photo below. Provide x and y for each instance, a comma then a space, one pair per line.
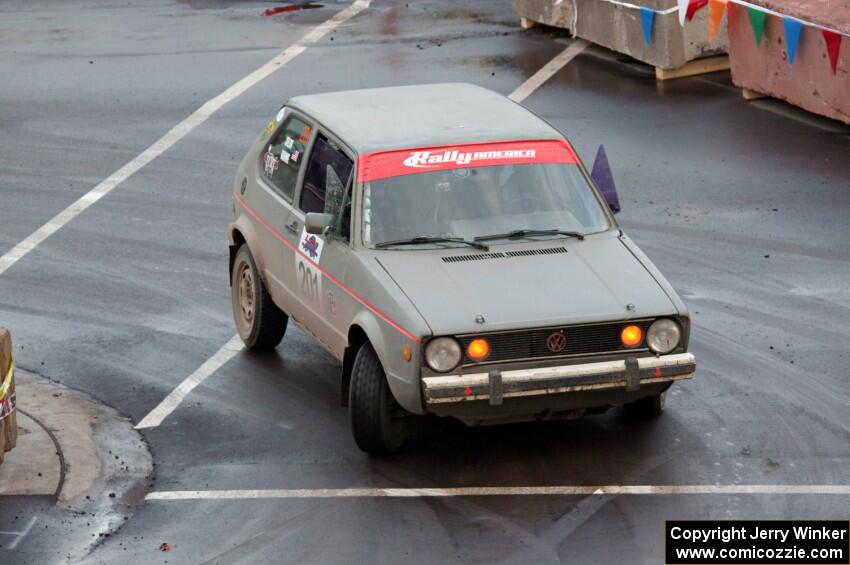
498, 491
177, 133
19, 536
548, 70
176, 396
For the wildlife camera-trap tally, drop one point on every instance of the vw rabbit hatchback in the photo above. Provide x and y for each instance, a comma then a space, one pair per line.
449, 248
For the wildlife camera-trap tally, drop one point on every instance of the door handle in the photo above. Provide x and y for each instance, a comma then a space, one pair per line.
293, 227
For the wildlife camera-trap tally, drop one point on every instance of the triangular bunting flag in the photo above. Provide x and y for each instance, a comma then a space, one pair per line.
792, 36
647, 18
604, 179
757, 21
693, 7
833, 46
715, 16
683, 10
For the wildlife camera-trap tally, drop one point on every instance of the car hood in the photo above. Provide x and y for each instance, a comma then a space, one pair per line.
594, 280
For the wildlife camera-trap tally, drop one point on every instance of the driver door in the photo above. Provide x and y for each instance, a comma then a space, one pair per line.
280, 165
320, 304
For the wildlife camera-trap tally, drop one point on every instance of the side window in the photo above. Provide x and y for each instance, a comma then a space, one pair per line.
284, 153
326, 180
345, 219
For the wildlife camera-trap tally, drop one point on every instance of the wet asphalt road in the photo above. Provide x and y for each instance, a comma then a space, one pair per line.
742, 206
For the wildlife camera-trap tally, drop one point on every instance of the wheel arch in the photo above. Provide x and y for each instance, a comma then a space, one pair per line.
403, 385
242, 232
356, 338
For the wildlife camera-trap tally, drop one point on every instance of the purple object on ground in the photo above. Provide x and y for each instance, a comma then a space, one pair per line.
605, 180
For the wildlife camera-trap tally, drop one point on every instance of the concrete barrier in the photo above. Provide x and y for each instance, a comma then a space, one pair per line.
8, 423
674, 50
763, 69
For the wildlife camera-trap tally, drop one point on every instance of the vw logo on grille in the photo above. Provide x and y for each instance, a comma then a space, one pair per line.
556, 342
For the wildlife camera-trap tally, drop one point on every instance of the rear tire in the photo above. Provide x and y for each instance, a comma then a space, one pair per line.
260, 323
647, 408
378, 423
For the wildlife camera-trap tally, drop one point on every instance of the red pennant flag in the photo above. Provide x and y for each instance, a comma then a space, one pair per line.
693, 6
833, 46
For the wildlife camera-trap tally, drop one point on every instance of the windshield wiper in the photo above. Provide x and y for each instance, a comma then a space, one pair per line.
428, 239
519, 234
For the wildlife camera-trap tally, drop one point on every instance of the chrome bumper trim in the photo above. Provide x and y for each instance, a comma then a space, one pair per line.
554, 380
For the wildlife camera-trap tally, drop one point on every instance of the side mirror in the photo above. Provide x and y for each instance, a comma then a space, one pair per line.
317, 223
604, 179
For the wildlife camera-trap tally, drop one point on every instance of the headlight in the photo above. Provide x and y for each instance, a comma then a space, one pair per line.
443, 354
663, 335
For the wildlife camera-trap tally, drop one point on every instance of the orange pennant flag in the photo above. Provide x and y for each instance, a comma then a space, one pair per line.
715, 16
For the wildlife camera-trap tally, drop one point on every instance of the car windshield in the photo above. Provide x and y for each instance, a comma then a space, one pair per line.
473, 202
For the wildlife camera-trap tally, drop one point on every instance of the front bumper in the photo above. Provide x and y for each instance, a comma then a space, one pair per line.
629, 375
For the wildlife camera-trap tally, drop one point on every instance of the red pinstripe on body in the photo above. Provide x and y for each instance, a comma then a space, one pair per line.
329, 276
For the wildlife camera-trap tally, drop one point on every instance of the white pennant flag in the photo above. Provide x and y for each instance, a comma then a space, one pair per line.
683, 9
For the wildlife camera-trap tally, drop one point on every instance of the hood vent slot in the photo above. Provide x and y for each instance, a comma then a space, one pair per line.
475, 257
527, 252
503, 255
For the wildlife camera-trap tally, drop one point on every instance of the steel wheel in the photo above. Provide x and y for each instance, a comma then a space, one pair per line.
245, 302
260, 323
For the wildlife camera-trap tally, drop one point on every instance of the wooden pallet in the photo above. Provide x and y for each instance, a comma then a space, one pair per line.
752, 94
526, 23
692, 68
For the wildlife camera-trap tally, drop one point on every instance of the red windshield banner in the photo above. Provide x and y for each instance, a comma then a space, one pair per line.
376, 166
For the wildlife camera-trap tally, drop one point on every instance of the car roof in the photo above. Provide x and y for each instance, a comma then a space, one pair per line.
426, 115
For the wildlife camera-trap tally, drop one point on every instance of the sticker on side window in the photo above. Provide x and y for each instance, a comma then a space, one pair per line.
284, 156
270, 162
309, 277
305, 135
269, 128
289, 142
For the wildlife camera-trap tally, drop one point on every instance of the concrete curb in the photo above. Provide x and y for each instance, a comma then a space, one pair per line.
80, 451
96, 448
35, 467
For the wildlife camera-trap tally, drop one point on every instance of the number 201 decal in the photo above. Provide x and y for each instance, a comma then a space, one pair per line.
310, 282
309, 277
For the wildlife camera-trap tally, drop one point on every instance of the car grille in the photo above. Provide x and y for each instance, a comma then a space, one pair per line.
587, 339
504, 254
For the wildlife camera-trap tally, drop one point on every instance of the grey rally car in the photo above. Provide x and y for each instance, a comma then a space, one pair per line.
451, 250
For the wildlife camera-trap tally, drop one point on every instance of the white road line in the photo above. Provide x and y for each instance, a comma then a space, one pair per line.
19, 535
548, 70
177, 133
498, 491
176, 396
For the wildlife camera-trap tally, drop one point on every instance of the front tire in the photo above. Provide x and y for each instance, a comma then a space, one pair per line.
260, 323
647, 408
379, 425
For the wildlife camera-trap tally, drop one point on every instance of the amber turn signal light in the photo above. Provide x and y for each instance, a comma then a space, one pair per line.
631, 336
478, 349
